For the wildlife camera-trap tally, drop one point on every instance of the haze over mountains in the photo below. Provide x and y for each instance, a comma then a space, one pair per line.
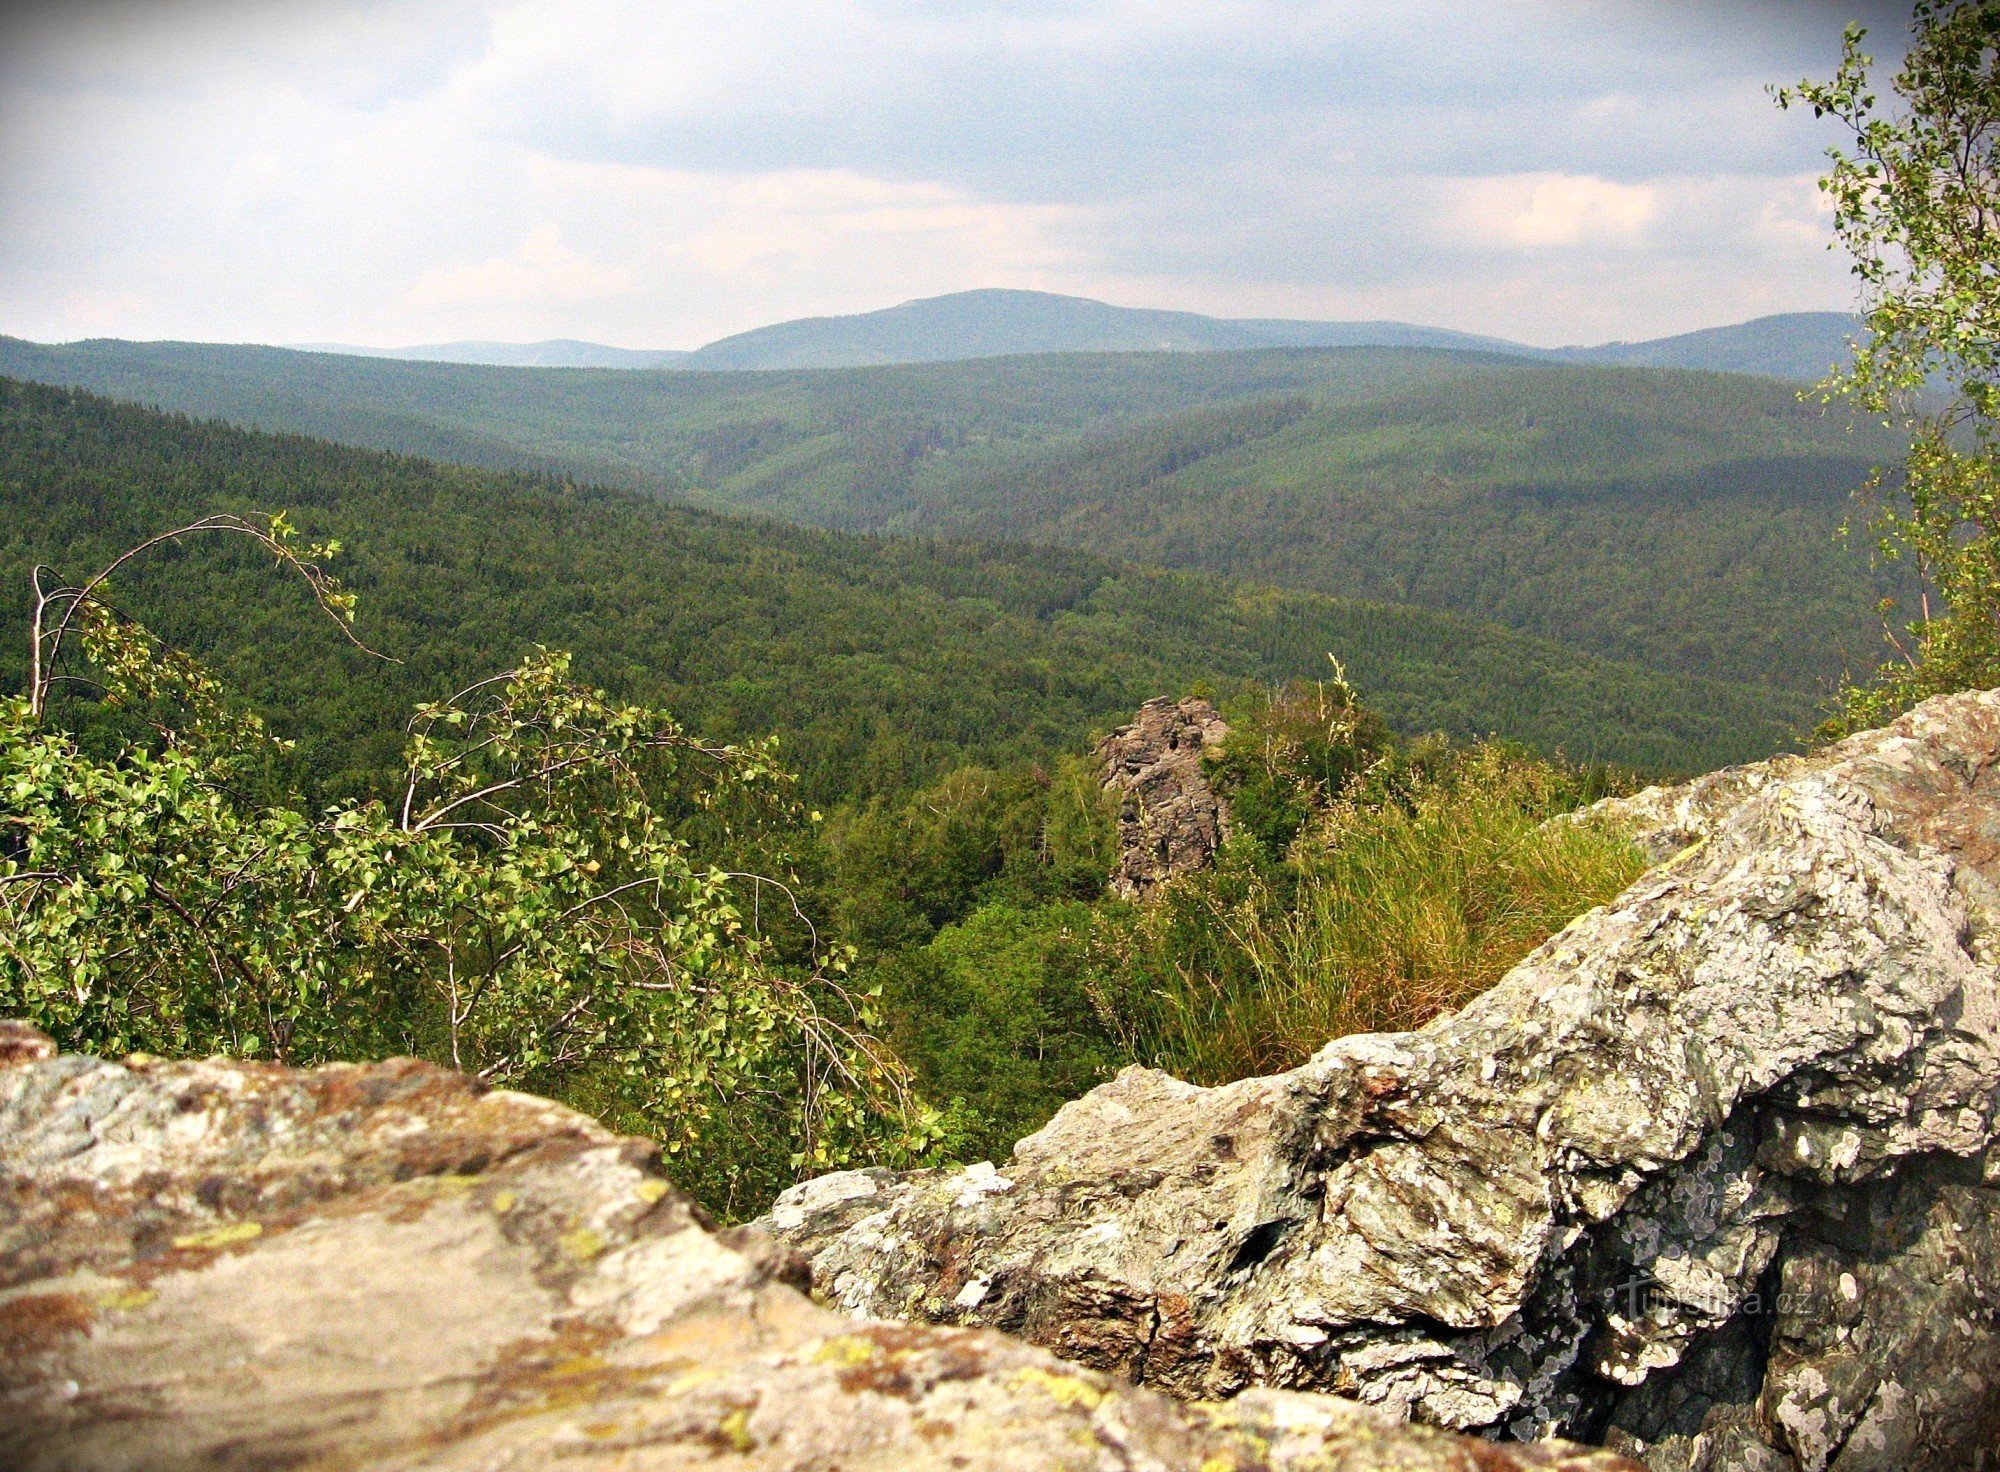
1001, 323
557, 352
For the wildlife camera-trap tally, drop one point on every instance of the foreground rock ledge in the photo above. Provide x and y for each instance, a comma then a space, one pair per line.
1710, 1177
227, 1265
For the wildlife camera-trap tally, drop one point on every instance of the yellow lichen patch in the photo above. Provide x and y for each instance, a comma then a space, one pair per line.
1694, 848
503, 1201
227, 1236
1067, 1391
735, 1429
455, 1182
652, 1190
845, 1352
1219, 1463
581, 1245
123, 1299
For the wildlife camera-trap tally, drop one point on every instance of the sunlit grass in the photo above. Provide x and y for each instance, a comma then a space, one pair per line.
1390, 915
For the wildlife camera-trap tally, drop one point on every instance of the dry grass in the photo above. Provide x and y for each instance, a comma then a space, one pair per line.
1387, 917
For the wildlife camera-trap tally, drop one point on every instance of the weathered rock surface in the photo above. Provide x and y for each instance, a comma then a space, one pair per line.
1665, 820
1710, 1177
228, 1265
1171, 820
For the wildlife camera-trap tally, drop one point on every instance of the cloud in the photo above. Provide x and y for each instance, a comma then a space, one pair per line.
1531, 210
407, 170
794, 220
542, 270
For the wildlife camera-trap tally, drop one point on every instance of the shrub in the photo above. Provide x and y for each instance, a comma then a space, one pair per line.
546, 904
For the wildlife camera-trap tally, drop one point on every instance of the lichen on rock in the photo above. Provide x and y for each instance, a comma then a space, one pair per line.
1711, 1176
227, 1264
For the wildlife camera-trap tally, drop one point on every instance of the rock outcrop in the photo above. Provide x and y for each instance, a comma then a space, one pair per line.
1710, 1177
1665, 820
232, 1265
1171, 820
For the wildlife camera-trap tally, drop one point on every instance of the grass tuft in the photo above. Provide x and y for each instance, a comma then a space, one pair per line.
1384, 917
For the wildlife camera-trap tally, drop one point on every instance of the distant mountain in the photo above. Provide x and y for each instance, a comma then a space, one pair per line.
996, 323
1001, 323
558, 352
1792, 345
993, 323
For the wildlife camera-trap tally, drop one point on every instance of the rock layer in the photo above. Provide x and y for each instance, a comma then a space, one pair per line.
1171, 820
1710, 1176
228, 1265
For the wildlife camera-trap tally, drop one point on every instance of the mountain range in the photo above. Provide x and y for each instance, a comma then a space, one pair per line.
1002, 323
1663, 517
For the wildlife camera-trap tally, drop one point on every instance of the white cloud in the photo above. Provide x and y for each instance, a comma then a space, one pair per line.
542, 270
1551, 209
656, 175
792, 220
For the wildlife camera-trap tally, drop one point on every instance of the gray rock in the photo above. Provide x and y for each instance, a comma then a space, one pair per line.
1710, 1176
1665, 820
240, 1266
1171, 821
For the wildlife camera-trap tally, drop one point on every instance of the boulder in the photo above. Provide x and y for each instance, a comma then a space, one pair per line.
1171, 820
1710, 1177
243, 1266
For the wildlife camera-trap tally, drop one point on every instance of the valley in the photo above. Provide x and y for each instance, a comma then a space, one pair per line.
1681, 519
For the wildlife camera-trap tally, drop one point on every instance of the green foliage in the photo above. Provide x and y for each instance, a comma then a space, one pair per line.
1674, 519
902, 869
177, 879
878, 664
1291, 751
848, 448
970, 901
1685, 520
997, 1018
541, 905
1369, 885
1402, 900
1915, 199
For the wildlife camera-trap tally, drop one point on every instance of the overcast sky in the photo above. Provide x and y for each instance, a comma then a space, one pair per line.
659, 174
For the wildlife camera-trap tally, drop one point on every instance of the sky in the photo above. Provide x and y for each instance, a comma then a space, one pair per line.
656, 175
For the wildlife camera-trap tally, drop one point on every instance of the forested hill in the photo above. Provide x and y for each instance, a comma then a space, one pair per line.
995, 323
1687, 520
880, 662
841, 448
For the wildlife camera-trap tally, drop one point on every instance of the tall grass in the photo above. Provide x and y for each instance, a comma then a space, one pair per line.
1384, 916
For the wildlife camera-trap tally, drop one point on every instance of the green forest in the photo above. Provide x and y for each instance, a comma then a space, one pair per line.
1678, 519
880, 663
932, 844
